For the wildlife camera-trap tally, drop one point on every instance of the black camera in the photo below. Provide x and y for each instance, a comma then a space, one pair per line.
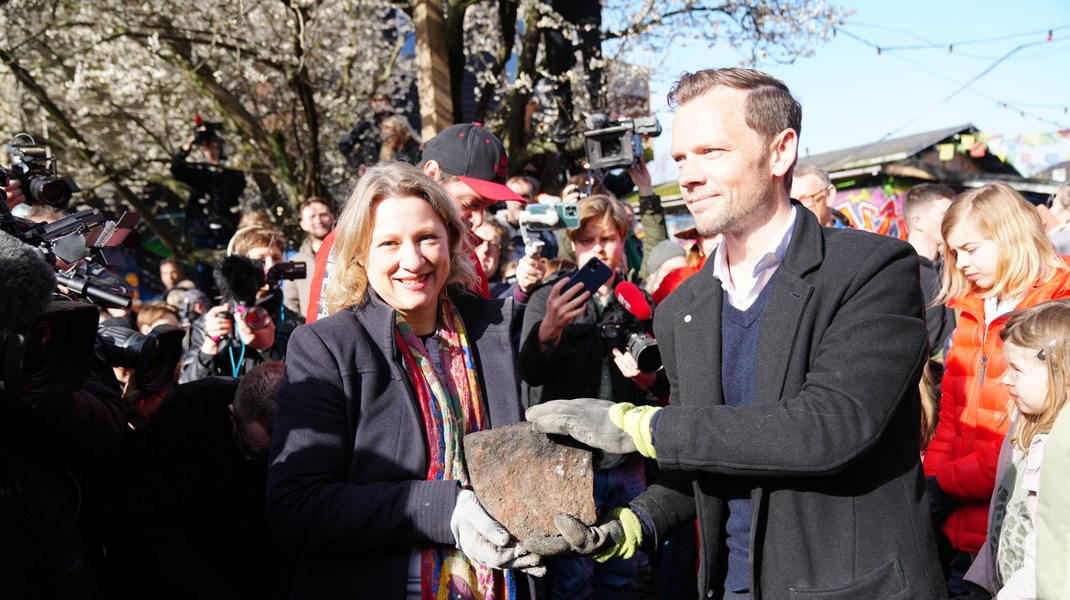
152, 357
286, 270
49, 357
35, 168
612, 143
206, 131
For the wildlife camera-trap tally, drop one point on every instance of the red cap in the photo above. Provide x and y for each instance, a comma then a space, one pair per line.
476, 156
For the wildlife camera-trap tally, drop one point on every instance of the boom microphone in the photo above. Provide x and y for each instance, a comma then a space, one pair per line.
239, 278
632, 300
26, 282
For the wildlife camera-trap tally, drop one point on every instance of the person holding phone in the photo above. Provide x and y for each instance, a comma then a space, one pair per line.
567, 351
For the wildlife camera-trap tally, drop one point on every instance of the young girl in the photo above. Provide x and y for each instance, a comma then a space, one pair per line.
998, 259
1036, 345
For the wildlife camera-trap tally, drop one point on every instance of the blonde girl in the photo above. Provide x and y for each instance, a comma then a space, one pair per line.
998, 259
1036, 346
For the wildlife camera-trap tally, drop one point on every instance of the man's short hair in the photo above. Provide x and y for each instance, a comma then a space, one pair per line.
256, 237
310, 201
920, 196
531, 181
816, 170
254, 401
768, 109
154, 311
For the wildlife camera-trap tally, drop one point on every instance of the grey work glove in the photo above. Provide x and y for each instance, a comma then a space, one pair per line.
485, 541
585, 420
604, 540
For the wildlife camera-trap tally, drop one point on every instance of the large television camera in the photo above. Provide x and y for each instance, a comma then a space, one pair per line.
611, 143
49, 341
35, 168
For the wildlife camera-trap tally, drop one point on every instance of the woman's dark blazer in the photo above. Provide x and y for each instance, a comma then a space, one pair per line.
346, 479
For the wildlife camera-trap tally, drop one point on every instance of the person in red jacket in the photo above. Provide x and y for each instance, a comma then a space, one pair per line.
998, 260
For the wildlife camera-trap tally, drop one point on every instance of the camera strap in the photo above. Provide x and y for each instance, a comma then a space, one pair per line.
235, 367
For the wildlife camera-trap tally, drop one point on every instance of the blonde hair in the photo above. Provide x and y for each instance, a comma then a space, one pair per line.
605, 209
348, 285
1046, 329
1025, 255
255, 237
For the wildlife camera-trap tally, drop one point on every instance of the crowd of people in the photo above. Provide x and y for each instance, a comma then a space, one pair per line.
835, 413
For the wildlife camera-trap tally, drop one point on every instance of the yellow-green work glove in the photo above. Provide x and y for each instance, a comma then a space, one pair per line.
635, 421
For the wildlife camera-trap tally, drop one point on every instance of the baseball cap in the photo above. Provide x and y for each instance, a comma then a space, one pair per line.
476, 156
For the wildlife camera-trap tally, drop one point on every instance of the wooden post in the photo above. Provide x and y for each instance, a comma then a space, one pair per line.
432, 68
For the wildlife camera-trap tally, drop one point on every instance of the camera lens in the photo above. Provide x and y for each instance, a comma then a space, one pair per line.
644, 349
257, 318
50, 191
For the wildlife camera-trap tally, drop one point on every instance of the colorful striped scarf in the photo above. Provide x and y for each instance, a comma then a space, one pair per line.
451, 409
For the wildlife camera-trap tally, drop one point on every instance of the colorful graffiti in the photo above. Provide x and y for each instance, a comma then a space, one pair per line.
876, 209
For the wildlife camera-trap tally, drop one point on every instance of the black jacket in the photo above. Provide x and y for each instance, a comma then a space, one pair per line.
574, 368
347, 473
830, 446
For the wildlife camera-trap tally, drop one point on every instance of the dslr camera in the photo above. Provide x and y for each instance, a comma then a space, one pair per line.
612, 143
35, 168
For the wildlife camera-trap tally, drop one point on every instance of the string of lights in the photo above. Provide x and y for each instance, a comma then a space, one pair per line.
896, 51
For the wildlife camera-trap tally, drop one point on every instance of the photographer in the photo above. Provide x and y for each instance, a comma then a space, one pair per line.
54, 442
243, 331
566, 352
212, 211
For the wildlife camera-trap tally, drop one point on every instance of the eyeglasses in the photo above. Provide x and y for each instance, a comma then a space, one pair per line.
495, 246
814, 198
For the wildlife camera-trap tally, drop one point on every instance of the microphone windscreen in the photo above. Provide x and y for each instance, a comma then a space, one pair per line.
27, 282
633, 300
238, 278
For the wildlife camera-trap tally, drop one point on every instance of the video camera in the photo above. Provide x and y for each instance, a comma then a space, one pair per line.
545, 216
35, 168
239, 278
51, 353
612, 143
206, 131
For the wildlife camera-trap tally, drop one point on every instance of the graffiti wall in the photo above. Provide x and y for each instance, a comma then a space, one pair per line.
878, 209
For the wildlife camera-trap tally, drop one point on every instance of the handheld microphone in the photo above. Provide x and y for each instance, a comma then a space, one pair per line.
632, 299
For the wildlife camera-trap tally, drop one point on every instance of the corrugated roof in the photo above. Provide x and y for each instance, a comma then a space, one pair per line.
883, 152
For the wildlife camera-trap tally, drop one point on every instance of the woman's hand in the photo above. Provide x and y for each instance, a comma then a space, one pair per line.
562, 307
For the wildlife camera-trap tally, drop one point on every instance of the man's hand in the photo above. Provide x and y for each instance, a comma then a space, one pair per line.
641, 177
616, 535
585, 420
486, 542
562, 307
216, 327
259, 339
13, 191
529, 273
628, 367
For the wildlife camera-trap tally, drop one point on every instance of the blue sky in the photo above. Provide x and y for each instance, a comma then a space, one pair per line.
851, 95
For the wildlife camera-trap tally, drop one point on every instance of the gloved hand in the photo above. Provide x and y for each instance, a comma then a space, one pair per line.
585, 420
940, 503
616, 535
485, 541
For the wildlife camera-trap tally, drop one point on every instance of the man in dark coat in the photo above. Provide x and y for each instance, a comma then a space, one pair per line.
199, 501
793, 359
